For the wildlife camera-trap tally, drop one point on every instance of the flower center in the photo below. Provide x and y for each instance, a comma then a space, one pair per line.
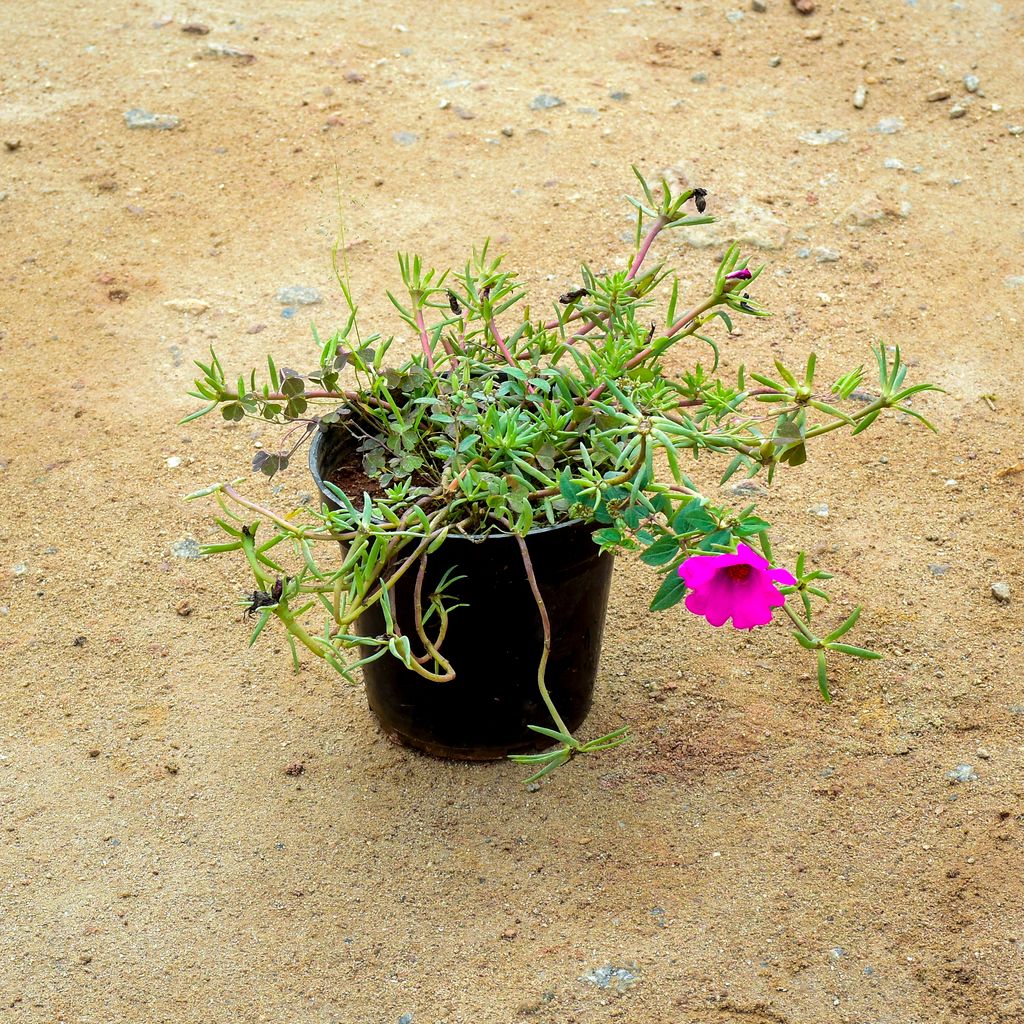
739, 572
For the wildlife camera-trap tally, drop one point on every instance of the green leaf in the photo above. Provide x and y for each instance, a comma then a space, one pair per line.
554, 734
823, 678
856, 652
720, 538
195, 415
607, 537
669, 593
661, 551
845, 627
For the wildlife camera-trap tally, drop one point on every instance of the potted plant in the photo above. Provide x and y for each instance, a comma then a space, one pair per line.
473, 495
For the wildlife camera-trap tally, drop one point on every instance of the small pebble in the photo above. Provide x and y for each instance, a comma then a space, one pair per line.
194, 28
223, 50
936, 95
759, 6
545, 101
139, 118
94, 752
823, 138
184, 608
405, 138
508, 132
984, 753
192, 306
699, 77
298, 295
957, 111
1001, 592
19, 568
892, 164
938, 570
860, 97
889, 125
821, 511
187, 547
774, 62
813, 34
295, 769
1016, 129
971, 83
962, 773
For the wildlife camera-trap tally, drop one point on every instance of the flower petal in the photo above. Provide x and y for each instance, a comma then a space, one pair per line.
783, 576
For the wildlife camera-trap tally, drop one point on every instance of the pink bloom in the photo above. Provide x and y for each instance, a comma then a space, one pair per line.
740, 586
739, 275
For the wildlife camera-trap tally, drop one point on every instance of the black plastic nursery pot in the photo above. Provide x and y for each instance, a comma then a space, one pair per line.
494, 641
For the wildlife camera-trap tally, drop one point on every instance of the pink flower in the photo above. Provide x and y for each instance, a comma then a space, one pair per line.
740, 586
739, 275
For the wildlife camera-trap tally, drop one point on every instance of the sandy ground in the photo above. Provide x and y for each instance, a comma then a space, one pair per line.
754, 857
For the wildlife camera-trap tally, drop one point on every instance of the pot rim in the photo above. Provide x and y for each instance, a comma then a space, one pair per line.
472, 538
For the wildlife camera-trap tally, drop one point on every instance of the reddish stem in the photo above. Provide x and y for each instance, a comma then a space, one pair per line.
425, 340
501, 341
687, 318
645, 247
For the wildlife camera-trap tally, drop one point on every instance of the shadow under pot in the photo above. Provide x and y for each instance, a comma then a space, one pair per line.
495, 637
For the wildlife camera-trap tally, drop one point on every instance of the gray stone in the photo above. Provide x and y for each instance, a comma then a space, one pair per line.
618, 978
1013, 281
889, 125
187, 547
774, 62
405, 138
820, 510
734, 16
758, 6
936, 95
223, 50
139, 118
823, 255
962, 773
971, 83
748, 489
699, 77
406, 1018
827, 137
860, 97
1001, 592
958, 111
1016, 129
938, 570
545, 101
892, 164
19, 569
619, 94
863, 212
745, 222
298, 295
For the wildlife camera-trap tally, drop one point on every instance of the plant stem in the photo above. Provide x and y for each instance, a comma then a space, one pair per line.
500, 341
645, 247
546, 624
